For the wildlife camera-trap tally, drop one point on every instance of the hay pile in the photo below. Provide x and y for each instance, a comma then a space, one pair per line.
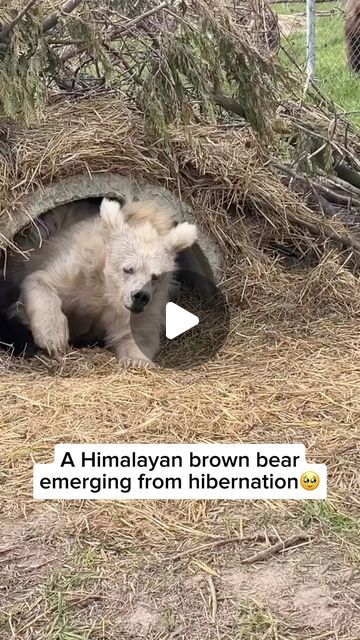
222, 172
272, 384
287, 308
181, 97
262, 176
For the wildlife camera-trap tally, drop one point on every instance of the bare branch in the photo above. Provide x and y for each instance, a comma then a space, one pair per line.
229, 104
63, 43
68, 55
342, 239
345, 172
290, 543
52, 20
125, 64
144, 15
6, 30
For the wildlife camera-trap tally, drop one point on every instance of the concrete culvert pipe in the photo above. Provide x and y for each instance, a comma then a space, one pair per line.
71, 200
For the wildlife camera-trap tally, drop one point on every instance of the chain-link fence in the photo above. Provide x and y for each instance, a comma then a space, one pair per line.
323, 38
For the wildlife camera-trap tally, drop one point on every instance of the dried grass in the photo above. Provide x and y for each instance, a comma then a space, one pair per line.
288, 373
282, 319
223, 173
282, 377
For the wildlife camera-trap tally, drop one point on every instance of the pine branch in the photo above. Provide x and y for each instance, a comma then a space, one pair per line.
142, 17
6, 30
125, 64
117, 31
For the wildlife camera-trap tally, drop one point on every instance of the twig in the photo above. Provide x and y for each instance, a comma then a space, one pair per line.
327, 208
52, 20
155, 39
341, 149
72, 53
64, 43
319, 136
7, 549
318, 150
332, 196
6, 30
213, 598
275, 548
317, 229
144, 15
259, 537
125, 64
346, 186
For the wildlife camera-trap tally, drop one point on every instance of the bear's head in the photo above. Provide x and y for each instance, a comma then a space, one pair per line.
139, 261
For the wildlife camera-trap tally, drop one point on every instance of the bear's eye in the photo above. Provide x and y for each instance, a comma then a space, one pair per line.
154, 277
128, 270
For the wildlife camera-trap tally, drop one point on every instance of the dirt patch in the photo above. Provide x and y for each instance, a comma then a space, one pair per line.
142, 619
316, 607
307, 591
133, 588
27, 558
291, 24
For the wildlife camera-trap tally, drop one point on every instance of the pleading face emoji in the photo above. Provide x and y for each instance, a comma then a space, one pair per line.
309, 480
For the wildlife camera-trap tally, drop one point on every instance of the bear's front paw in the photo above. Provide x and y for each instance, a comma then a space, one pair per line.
54, 339
136, 363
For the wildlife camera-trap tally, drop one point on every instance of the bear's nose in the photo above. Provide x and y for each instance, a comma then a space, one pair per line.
140, 298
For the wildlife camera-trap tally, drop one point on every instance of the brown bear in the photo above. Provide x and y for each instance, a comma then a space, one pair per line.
352, 34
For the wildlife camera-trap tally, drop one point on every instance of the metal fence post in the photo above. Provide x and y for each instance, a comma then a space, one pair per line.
310, 37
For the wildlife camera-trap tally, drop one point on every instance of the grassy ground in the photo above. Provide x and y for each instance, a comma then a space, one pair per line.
332, 72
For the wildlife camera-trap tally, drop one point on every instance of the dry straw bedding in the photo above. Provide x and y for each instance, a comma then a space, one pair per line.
269, 385
288, 373
214, 168
297, 383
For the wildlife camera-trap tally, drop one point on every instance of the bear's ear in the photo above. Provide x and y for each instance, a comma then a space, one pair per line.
180, 237
112, 214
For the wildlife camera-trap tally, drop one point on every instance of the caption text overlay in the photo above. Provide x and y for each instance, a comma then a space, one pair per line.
180, 471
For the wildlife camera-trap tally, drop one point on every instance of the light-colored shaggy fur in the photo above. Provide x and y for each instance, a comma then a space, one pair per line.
91, 272
65, 216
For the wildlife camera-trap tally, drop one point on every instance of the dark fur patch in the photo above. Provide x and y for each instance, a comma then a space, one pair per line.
16, 338
352, 34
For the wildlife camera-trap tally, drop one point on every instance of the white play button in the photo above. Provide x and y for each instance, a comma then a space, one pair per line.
178, 320
201, 313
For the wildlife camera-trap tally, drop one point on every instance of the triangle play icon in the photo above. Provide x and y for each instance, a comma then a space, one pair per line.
178, 320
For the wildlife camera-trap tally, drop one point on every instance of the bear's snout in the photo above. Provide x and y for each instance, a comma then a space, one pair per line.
139, 301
